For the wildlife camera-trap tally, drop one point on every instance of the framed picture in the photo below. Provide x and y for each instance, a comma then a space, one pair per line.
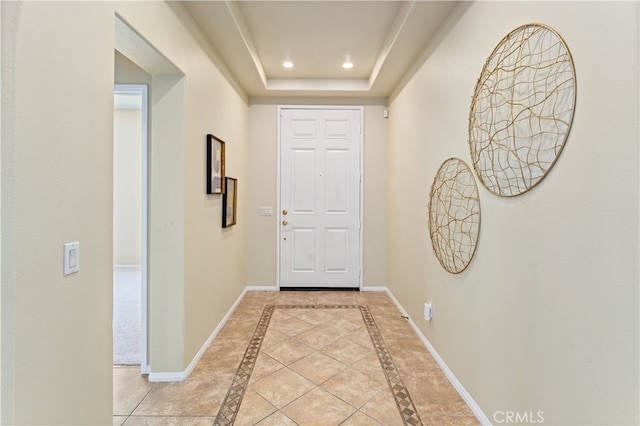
229, 202
215, 165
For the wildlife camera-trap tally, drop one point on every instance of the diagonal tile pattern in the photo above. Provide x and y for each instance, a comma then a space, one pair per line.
302, 358
289, 389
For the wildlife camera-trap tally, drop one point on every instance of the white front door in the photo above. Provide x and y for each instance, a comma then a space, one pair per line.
320, 177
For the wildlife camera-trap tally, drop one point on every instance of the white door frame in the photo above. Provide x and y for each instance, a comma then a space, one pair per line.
143, 91
278, 183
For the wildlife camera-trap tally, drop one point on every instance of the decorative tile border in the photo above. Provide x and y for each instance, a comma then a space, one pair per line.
400, 392
233, 399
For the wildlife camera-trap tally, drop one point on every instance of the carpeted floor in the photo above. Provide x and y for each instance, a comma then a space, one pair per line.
126, 316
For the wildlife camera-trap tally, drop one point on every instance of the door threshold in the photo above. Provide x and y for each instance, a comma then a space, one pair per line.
319, 289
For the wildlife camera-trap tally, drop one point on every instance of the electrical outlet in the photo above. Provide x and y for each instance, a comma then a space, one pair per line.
428, 311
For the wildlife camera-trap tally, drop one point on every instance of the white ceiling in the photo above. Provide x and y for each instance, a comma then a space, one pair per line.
383, 39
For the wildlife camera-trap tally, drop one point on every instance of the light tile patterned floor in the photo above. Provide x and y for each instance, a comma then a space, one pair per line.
302, 358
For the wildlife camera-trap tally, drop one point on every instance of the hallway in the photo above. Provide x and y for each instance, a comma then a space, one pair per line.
302, 358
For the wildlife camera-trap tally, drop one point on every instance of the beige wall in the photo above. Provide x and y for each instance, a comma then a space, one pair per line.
57, 143
127, 186
127, 72
546, 316
262, 177
58, 135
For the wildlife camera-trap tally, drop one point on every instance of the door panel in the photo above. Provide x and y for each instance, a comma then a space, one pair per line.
337, 181
336, 250
303, 129
303, 172
303, 249
320, 197
337, 128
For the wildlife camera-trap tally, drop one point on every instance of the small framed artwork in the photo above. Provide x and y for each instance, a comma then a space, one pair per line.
229, 202
215, 165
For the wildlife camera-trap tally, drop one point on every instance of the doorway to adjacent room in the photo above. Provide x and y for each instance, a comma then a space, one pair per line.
130, 142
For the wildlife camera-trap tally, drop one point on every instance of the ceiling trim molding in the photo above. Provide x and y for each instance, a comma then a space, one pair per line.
248, 39
318, 84
392, 37
243, 30
352, 85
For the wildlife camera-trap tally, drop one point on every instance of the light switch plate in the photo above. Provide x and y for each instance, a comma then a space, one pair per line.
71, 263
266, 211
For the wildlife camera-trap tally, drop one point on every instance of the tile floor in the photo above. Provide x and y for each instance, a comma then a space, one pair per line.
302, 358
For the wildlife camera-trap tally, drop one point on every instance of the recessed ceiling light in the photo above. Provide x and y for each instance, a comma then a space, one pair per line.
347, 65
287, 64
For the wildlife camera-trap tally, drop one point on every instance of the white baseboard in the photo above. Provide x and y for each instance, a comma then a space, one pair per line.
482, 418
367, 288
182, 375
261, 288
168, 377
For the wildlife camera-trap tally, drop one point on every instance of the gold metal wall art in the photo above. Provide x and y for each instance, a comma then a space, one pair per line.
454, 215
522, 110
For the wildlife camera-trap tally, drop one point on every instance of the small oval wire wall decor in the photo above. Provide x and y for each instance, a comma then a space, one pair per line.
522, 110
454, 215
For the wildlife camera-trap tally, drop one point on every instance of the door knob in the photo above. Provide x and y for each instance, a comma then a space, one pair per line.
284, 222
284, 212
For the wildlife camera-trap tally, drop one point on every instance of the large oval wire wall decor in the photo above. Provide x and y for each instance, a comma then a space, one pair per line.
522, 110
454, 215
